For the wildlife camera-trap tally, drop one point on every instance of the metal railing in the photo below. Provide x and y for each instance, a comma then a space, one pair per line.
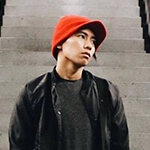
147, 2
145, 17
147, 8
2, 5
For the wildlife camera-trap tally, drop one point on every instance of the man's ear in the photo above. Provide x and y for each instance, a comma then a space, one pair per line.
59, 47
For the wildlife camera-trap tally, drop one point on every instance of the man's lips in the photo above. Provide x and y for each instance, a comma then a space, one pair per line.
86, 54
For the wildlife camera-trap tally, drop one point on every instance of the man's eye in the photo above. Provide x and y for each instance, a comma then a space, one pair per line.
81, 36
94, 42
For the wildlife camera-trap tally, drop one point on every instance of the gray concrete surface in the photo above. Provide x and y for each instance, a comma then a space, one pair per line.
25, 54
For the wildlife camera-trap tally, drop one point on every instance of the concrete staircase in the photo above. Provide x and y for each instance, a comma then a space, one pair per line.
25, 54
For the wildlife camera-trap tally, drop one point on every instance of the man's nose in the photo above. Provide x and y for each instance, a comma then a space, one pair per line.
88, 45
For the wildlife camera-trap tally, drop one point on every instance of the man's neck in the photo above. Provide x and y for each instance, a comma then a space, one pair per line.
69, 73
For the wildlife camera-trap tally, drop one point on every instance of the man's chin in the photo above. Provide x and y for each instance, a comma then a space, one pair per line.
82, 64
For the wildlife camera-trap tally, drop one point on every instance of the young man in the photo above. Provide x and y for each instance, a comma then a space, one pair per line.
69, 108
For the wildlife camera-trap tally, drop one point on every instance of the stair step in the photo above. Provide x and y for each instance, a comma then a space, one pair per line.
134, 90
122, 45
122, 59
122, 74
26, 58
34, 10
133, 106
104, 59
4, 144
136, 123
139, 141
66, 2
7, 105
25, 73
136, 106
36, 32
111, 45
139, 124
16, 21
10, 89
4, 124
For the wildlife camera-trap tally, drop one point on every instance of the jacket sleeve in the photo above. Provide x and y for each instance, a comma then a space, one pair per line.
21, 127
119, 127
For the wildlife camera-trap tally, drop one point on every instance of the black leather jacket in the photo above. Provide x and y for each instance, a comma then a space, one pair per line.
36, 119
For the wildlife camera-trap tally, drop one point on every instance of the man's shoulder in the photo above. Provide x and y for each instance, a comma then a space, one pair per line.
106, 82
107, 86
100, 80
108, 91
38, 81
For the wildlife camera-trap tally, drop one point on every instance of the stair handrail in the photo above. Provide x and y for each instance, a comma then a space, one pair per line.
148, 14
145, 17
147, 9
2, 5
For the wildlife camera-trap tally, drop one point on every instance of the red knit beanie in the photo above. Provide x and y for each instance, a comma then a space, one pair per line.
69, 24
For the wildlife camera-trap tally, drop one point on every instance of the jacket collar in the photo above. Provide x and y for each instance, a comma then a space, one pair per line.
87, 78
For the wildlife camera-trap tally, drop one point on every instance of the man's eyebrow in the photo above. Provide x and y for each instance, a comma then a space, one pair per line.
80, 31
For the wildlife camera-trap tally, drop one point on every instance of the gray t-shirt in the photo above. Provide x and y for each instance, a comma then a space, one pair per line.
77, 131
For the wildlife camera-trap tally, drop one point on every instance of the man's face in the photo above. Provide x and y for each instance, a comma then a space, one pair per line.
79, 48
